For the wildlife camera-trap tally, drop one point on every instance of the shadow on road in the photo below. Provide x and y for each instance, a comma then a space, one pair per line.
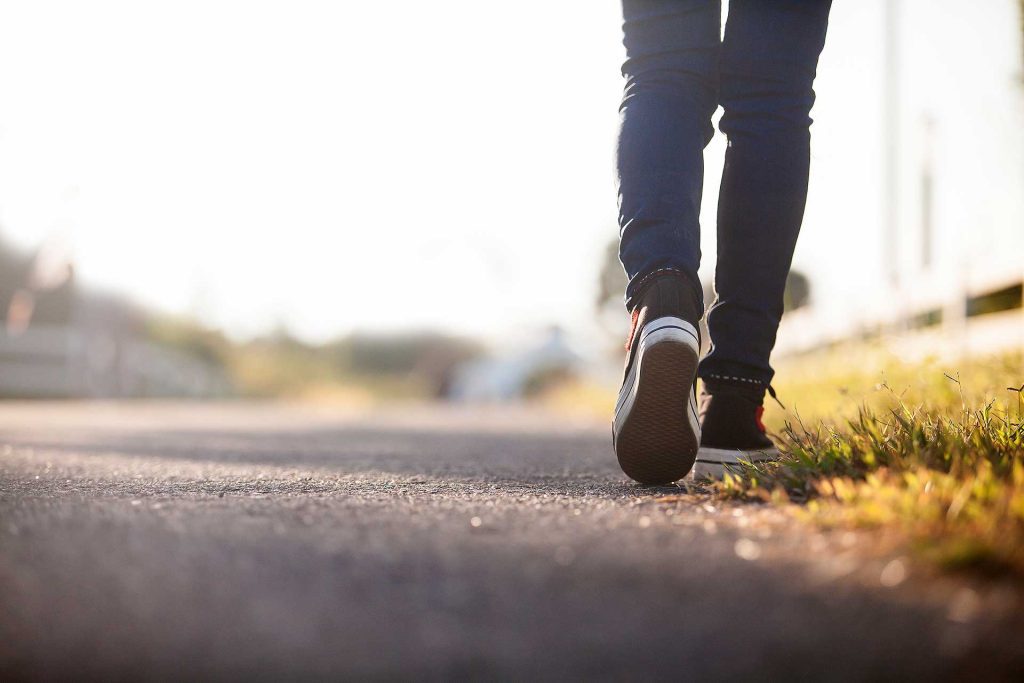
567, 464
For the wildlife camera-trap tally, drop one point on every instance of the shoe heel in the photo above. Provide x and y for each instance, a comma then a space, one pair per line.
658, 435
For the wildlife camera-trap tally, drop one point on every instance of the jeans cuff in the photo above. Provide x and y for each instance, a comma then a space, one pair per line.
738, 379
635, 291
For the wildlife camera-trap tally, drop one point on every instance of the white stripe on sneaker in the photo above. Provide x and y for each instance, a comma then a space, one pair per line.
713, 463
665, 329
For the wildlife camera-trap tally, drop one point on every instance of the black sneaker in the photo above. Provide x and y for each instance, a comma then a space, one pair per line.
656, 431
731, 427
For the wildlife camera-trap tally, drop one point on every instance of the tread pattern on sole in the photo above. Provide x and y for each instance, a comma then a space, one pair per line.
655, 444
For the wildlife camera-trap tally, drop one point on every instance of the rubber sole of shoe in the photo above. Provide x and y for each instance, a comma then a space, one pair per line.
656, 436
713, 463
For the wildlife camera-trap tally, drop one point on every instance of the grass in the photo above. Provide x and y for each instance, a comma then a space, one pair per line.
915, 450
929, 452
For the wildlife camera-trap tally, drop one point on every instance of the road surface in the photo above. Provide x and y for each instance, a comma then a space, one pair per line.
163, 541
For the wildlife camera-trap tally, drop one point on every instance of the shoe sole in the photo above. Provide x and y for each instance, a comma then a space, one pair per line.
713, 463
656, 431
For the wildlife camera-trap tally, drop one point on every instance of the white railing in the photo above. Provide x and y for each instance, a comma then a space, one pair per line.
68, 362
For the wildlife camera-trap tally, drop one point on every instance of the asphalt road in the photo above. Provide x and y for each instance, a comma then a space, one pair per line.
261, 542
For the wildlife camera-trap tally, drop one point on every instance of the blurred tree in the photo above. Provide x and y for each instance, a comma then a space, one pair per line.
545, 378
189, 337
798, 291
608, 304
426, 358
612, 283
45, 301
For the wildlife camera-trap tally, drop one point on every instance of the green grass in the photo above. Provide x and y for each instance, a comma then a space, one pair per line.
913, 449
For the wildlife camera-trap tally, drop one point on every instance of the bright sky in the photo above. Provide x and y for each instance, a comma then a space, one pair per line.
336, 166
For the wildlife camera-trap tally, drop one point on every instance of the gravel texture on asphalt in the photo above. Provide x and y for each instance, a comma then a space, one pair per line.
183, 541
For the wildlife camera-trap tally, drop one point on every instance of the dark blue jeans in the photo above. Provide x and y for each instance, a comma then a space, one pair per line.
678, 71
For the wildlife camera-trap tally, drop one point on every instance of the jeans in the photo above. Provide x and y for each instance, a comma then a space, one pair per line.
678, 70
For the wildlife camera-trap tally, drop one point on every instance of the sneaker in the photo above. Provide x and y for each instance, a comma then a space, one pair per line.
732, 430
656, 431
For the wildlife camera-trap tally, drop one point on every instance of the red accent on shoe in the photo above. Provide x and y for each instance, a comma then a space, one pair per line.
632, 327
757, 418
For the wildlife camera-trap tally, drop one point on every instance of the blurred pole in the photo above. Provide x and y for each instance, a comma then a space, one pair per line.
890, 241
927, 191
1020, 139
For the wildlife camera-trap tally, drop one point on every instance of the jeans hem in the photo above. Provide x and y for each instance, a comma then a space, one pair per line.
734, 378
635, 291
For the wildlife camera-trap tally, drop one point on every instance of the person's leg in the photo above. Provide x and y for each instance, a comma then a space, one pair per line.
768, 63
671, 92
671, 72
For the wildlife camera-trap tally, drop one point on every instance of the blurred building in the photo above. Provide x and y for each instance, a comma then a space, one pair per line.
952, 191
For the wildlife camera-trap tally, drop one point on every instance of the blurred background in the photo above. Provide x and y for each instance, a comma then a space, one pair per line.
366, 202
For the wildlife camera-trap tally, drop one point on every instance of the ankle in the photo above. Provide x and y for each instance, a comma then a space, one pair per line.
669, 293
734, 385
